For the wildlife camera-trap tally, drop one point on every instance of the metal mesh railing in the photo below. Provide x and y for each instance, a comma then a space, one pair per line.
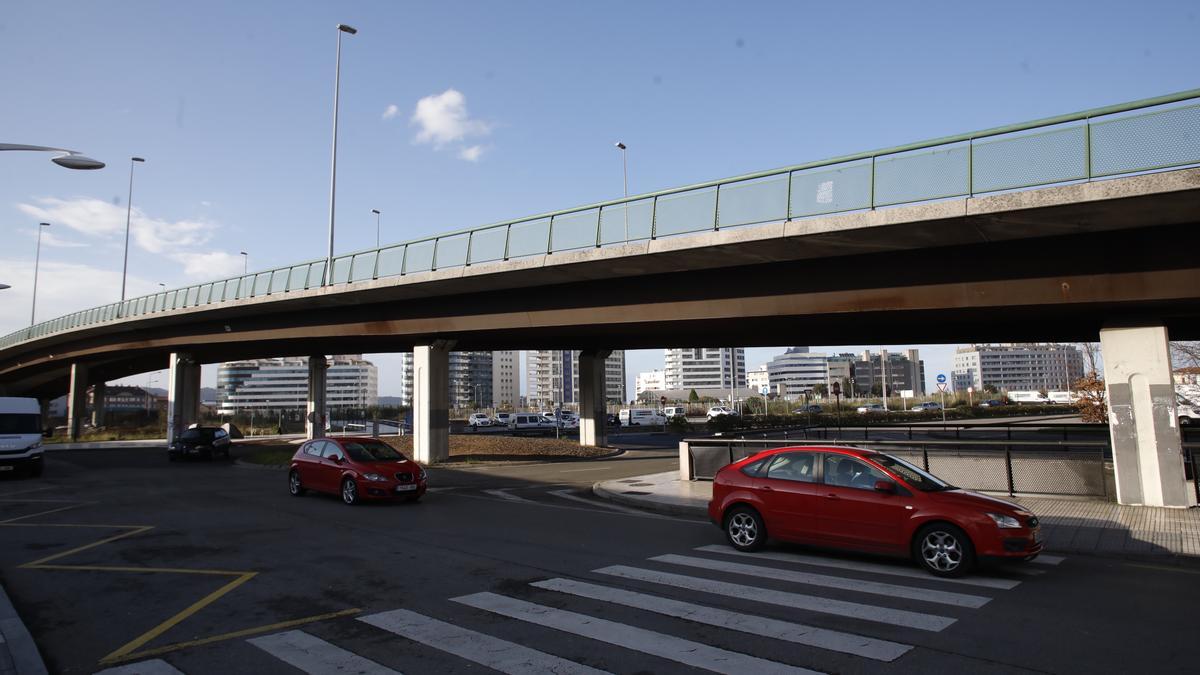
1151, 134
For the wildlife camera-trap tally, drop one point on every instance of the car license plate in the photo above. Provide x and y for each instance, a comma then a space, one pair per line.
6, 467
405, 488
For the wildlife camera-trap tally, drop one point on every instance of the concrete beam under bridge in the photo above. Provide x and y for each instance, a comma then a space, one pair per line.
431, 397
76, 400
593, 413
1143, 423
317, 413
183, 394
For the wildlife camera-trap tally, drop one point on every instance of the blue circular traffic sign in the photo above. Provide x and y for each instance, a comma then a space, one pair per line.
941, 378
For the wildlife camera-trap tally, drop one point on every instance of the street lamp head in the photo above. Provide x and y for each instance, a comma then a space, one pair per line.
43, 224
347, 29
137, 159
375, 211
620, 145
78, 162
4, 286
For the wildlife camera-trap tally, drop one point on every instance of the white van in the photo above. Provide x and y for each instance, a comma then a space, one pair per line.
1027, 397
20, 435
641, 417
675, 411
528, 423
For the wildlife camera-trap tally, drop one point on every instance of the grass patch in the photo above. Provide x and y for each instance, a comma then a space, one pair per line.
464, 448
144, 433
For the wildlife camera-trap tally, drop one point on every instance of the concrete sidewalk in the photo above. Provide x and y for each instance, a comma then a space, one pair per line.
18, 653
1069, 525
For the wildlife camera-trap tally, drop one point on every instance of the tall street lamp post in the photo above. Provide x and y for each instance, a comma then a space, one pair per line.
337, 73
71, 159
625, 184
378, 218
37, 260
128, 213
245, 262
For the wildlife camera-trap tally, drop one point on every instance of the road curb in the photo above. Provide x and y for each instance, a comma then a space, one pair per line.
475, 461
603, 492
18, 652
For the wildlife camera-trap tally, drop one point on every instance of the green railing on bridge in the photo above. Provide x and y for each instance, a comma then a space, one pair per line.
1146, 135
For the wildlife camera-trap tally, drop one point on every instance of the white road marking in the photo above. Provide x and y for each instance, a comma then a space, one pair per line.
590, 468
494, 653
316, 656
629, 637
863, 566
153, 667
639, 514
847, 643
770, 596
826, 581
1044, 559
566, 494
504, 493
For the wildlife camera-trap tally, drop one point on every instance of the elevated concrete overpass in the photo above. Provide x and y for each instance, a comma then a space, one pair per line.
736, 267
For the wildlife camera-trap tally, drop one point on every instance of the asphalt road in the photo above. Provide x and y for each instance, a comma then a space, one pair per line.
214, 568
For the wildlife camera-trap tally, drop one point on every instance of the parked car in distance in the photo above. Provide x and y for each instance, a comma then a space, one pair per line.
565, 420
614, 420
1027, 397
991, 403
1189, 413
869, 501
718, 410
675, 411
528, 423
21, 435
206, 442
928, 405
357, 469
479, 420
502, 419
871, 408
804, 410
641, 417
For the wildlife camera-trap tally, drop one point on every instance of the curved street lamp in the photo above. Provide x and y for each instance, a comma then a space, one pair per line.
70, 159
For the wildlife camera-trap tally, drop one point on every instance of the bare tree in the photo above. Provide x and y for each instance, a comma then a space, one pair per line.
1185, 354
1091, 357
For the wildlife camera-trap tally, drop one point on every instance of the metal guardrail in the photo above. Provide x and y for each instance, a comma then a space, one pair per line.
1080, 146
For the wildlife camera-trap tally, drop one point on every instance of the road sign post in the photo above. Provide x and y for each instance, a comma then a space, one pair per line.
837, 395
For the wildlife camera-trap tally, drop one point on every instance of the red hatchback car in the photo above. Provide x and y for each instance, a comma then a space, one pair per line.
869, 501
357, 469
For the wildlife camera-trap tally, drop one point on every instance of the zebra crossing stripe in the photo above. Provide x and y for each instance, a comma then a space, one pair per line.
566, 494
316, 656
847, 643
152, 667
504, 493
1044, 559
494, 653
641, 640
862, 566
826, 581
770, 596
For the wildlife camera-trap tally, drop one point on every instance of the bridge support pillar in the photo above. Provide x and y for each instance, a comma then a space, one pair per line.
314, 421
1147, 452
76, 400
99, 393
593, 415
431, 401
183, 394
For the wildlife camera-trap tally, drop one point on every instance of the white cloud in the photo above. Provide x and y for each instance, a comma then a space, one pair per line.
62, 288
391, 111
471, 154
102, 219
443, 118
210, 265
49, 238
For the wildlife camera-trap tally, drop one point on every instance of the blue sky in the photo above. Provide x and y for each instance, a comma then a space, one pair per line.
230, 104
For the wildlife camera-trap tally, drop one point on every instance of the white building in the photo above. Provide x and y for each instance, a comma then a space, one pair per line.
282, 384
797, 371
552, 377
705, 368
1017, 367
491, 378
506, 379
759, 380
653, 380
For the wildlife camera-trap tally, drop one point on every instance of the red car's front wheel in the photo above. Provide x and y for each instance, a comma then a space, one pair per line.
744, 529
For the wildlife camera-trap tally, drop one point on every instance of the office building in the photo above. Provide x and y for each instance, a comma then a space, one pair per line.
759, 380
902, 372
282, 384
477, 379
705, 368
506, 379
1017, 367
552, 377
649, 381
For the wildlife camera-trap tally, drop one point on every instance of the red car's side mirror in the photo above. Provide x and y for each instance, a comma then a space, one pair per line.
885, 486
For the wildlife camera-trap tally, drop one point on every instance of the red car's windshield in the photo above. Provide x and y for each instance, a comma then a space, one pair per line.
918, 478
370, 451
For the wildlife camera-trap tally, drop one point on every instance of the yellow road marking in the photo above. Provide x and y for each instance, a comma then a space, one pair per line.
137, 529
45, 513
25, 492
157, 651
171, 622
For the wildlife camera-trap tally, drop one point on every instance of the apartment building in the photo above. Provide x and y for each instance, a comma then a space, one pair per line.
1017, 367
552, 377
705, 368
282, 384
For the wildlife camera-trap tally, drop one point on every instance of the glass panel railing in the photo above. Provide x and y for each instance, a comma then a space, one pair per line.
575, 230
297, 277
753, 201
921, 175
262, 284
341, 269
419, 257
193, 296
316, 274
488, 245
1152, 140
391, 261
205, 294
363, 267
626, 222
831, 189
218, 291
1017, 161
693, 211
451, 251
245, 287
531, 237
279, 281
